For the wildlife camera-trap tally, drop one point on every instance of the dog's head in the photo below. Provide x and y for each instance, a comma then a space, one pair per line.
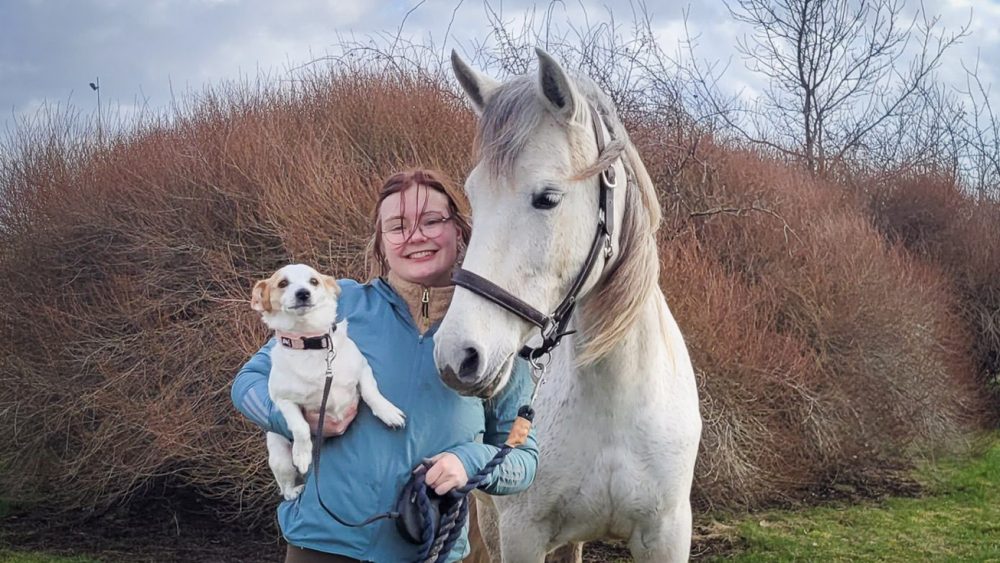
297, 298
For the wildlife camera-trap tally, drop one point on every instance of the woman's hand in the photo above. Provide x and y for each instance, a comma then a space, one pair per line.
331, 426
446, 473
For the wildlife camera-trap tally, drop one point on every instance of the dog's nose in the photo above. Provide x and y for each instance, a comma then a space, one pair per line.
302, 295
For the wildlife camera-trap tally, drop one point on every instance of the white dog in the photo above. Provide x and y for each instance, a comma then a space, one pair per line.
300, 305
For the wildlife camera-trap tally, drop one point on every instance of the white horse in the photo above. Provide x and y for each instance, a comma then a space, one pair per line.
618, 421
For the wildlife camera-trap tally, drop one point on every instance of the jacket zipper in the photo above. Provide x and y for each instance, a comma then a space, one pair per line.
425, 305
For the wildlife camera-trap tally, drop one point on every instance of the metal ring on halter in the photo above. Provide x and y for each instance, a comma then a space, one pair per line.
610, 177
540, 363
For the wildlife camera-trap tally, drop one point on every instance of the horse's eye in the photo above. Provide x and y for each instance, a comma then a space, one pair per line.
546, 200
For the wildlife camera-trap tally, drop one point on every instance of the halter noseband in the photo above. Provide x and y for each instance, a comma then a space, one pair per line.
553, 327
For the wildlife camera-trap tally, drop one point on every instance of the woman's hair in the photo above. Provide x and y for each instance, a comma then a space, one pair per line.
399, 182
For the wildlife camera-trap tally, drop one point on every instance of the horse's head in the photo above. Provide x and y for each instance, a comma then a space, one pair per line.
535, 195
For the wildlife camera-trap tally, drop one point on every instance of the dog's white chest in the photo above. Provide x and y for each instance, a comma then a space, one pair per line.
299, 376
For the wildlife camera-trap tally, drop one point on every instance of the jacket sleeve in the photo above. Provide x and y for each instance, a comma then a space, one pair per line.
517, 471
251, 397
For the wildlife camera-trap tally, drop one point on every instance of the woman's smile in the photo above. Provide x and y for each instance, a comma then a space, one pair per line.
421, 255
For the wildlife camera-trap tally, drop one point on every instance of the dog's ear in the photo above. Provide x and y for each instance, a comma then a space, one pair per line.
331, 284
260, 299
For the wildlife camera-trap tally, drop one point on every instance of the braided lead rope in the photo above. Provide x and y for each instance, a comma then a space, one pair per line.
457, 513
454, 520
427, 533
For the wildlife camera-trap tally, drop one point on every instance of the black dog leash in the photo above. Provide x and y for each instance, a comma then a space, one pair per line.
318, 442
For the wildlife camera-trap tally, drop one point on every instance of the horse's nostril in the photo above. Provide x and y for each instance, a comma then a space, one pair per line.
470, 365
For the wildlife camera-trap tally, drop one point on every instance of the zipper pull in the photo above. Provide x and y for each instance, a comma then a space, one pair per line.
425, 304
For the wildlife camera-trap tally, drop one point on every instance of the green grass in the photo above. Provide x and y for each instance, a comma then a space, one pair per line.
957, 519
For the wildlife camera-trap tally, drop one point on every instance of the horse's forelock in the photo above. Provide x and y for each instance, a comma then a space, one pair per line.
507, 123
513, 113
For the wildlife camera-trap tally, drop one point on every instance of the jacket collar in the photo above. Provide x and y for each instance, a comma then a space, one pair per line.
395, 297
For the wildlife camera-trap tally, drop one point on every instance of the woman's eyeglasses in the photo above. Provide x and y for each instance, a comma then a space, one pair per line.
431, 225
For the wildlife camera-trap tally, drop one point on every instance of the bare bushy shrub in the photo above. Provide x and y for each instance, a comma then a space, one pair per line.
933, 217
127, 269
126, 264
821, 349
757, 392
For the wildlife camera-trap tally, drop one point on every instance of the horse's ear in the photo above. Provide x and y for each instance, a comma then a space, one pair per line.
555, 87
477, 86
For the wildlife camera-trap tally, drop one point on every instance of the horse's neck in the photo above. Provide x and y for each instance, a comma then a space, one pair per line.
648, 347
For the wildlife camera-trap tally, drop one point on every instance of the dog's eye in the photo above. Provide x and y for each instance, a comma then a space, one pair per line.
314, 281
283, 284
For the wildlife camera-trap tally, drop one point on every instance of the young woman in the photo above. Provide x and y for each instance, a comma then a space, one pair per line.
417, 239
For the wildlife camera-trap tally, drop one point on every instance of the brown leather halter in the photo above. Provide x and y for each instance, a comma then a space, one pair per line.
553, 327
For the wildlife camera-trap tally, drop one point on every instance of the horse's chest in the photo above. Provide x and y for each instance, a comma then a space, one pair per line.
608, 453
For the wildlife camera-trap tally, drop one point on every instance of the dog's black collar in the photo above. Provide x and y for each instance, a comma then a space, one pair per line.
321, 342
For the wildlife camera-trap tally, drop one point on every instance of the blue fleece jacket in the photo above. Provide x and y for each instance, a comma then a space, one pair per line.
364, 469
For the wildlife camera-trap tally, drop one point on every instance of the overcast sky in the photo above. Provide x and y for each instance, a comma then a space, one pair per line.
142, 50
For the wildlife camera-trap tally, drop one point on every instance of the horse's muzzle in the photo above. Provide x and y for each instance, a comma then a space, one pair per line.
470, 383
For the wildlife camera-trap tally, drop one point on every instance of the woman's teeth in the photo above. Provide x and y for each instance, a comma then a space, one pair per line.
422, 254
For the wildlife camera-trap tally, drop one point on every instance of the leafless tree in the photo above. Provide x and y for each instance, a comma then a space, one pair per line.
623, 55
980, 160
837, 71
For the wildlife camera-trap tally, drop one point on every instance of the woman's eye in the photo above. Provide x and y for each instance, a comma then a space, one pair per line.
314, 281
546, 200
283, 284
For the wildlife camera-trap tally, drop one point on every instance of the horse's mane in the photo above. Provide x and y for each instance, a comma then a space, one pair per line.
505, 127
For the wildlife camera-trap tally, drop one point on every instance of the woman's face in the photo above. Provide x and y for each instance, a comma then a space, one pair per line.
426, 255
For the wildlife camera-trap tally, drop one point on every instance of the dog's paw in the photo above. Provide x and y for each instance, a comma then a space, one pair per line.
389, 414
301, 456
292, 493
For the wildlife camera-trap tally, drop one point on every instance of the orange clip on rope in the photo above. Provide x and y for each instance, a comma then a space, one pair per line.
519, 433
522, 426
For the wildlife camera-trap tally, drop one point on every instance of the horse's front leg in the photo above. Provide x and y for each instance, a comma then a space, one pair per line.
664, 540
484, 529
526, 542
569, 553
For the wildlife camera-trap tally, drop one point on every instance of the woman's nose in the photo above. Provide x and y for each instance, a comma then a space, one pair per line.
418, 235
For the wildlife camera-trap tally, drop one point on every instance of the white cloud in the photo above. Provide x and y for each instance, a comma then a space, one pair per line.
142, 49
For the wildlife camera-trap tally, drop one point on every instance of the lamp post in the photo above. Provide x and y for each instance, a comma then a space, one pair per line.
97, 88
